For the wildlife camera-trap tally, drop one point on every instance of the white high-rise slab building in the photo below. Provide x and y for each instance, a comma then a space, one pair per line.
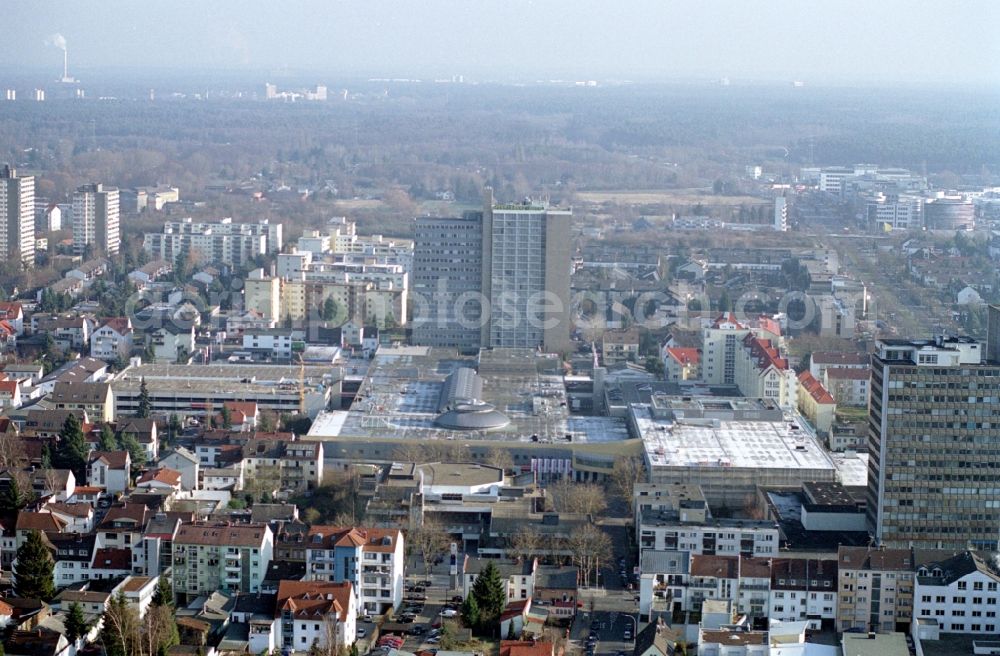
95, 220
17, 216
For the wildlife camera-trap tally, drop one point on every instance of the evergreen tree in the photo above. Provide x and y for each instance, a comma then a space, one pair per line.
14, 498
470, 612
46, 457
145, 406
76, 624
136, 451
164, 595
107, 442
33, 571
227, 417
120, 627
490, 596
72, 451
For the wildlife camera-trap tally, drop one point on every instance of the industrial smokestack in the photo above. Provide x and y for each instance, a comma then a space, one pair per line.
65, 63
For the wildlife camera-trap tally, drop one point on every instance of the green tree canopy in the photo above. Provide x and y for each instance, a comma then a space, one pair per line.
72, 450
76, 624
33, 569
145, 405
488, 590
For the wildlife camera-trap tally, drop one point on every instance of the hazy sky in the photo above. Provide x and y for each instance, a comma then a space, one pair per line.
865, 40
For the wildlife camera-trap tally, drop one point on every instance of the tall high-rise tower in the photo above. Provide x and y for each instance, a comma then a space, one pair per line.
95, 220
934, 444
526, 269
17, 216
496, 278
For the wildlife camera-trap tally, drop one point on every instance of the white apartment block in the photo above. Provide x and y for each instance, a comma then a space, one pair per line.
371, 559
724, 537
17, 216
960, 594
96, 217
222, 241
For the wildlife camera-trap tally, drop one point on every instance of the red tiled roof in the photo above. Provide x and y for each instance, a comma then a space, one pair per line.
109, 558
9, 386
218, 534
313, 599
765, 353
161, 475
115, 459
815, 389
370, 538
119, 324
685, 356
727, 317
39, 521
246, 409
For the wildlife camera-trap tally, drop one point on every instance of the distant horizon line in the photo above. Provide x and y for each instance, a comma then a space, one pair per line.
264, 75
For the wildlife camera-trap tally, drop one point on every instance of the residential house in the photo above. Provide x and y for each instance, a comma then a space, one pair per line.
123, 527
13, 313
58, 484
10, 394
149, 272
848, 386
556, 590
89, 271
110, 470
160, 478
372, 559
663, 579
157, 541
620, 346
711, 578
820, 361
815, 403
185, 462
316, 612
258, 613
111, 563
96, 399
73, 554
518, 576
112, 340
139, 591
78, 517
218, 556
657, 639
37, 642
171, 343
681, 363
145, 433
243, 415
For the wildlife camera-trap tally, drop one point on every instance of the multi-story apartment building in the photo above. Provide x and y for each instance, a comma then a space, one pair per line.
762, 372
286, 466
804, 590
875, 589
371, 559
96, 220
447, 272
316, 612
960, 593
222, 241
113, 340
220, 556
17, 216
262, 293
933, 424
721, 339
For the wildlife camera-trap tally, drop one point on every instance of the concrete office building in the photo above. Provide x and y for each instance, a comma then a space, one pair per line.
17, 216
95, 220
934, 426
221, 241
447, 281
523, 268
526, 254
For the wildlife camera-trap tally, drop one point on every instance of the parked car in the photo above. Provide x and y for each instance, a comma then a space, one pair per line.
433, 641
449, 612
458, 599
361, 633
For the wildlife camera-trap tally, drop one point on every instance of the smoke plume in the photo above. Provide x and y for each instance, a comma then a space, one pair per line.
57, 40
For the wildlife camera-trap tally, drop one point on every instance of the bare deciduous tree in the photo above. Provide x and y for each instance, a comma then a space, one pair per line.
590, 547
585, 498
626, 473
429, 540
525, 543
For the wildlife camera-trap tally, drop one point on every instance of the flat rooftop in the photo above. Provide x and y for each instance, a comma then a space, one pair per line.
785, 443
219, 377
460, 474
401, 392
